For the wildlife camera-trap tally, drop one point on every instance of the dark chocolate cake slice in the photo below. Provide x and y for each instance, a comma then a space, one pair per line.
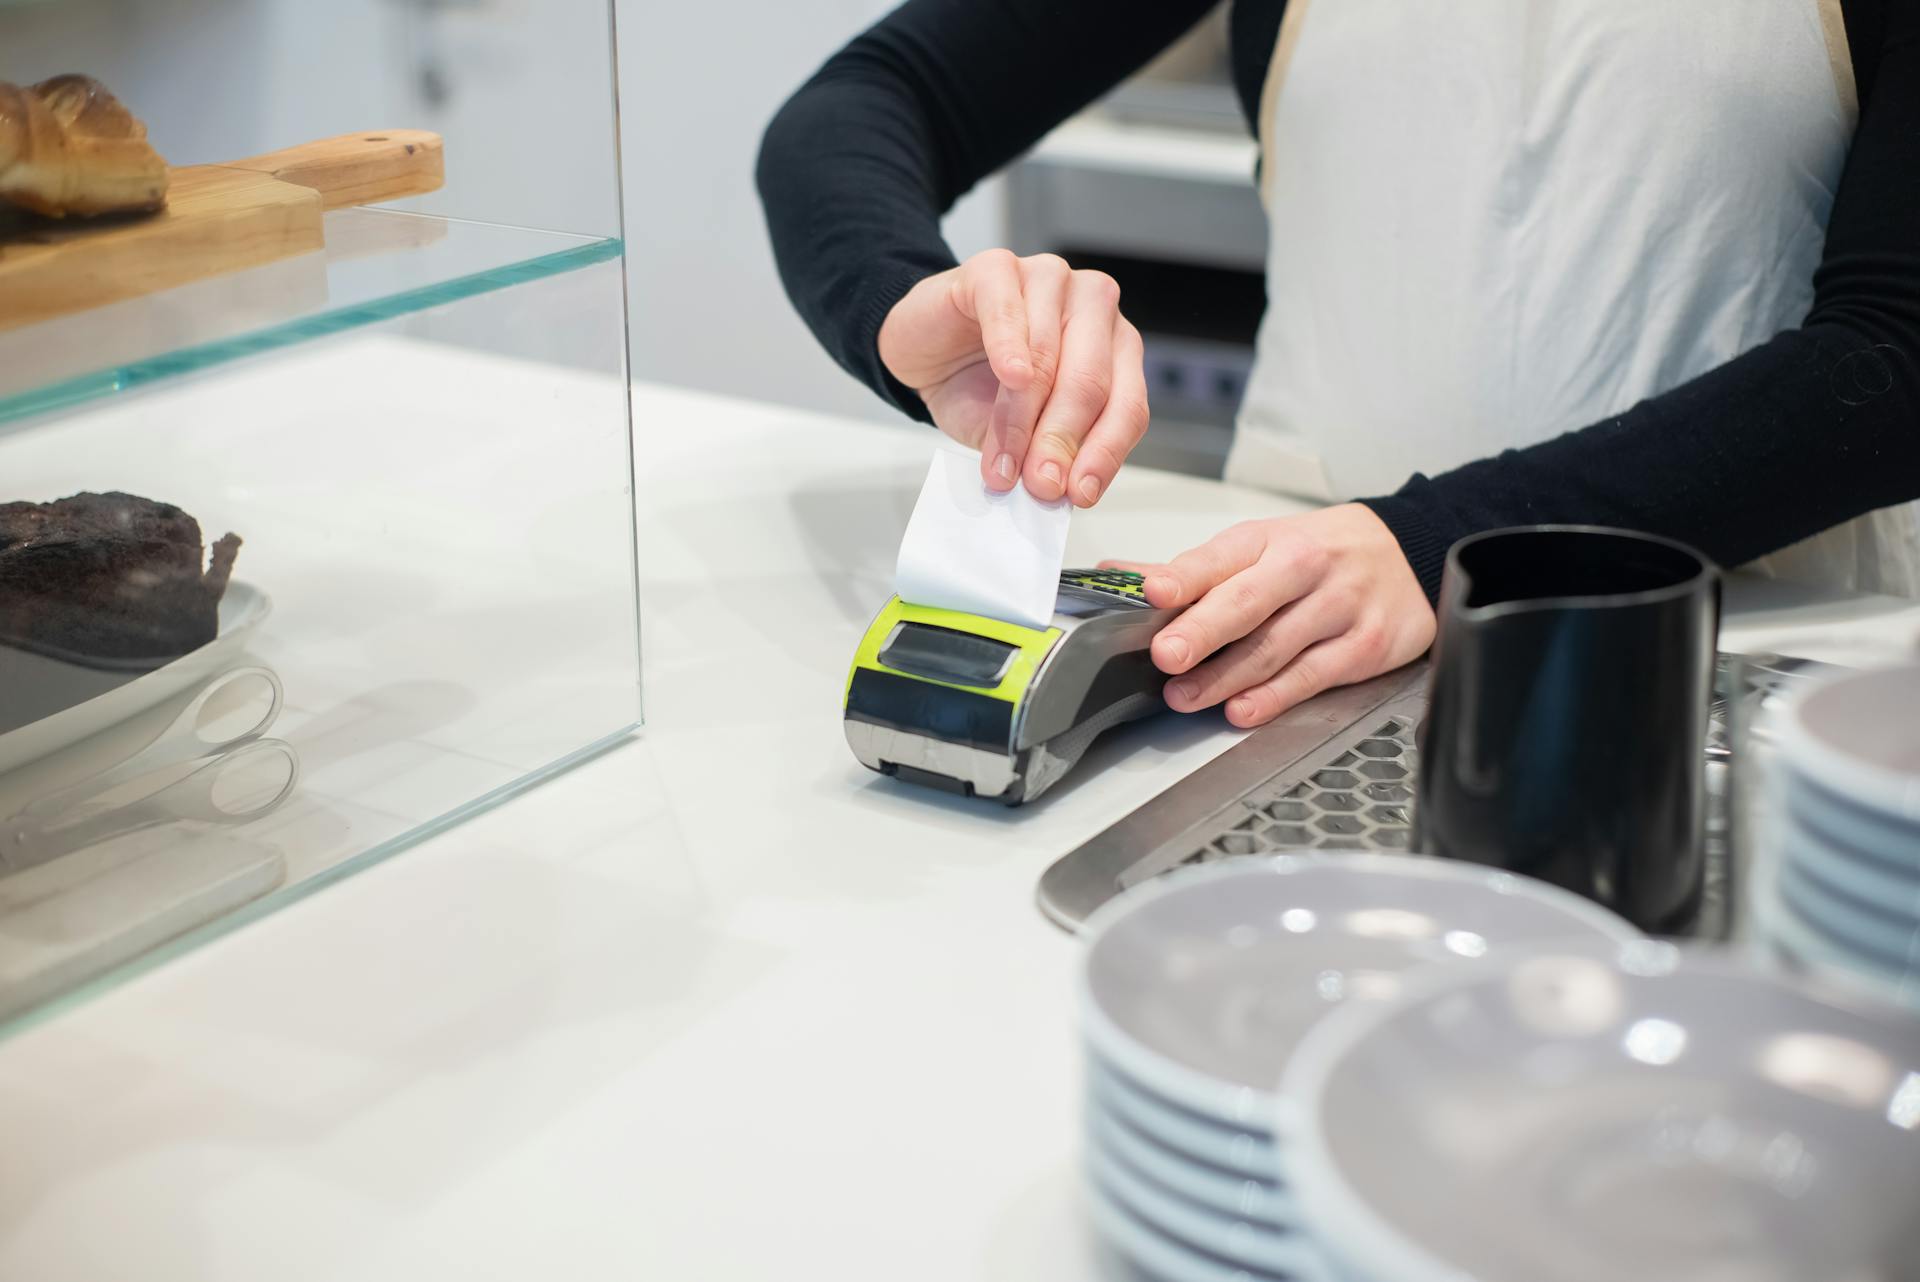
109, 578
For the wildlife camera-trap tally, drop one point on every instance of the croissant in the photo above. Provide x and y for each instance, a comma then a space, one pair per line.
67, 146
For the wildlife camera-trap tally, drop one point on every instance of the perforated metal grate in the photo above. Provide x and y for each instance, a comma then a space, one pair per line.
1351, 788
1361, 799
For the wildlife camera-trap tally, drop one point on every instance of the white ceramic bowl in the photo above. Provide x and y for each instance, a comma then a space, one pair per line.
1858, 736
1199, 984
1590, 1116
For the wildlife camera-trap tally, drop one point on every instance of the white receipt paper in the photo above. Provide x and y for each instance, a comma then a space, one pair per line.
968, 548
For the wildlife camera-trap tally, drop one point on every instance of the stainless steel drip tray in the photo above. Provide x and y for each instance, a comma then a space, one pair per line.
1262, 795
1335, 773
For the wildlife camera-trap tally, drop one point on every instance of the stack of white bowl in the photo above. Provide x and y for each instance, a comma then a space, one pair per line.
1838, 889
1638, 1114
1196, 989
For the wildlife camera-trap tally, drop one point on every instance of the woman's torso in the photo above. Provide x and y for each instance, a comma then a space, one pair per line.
1495, 222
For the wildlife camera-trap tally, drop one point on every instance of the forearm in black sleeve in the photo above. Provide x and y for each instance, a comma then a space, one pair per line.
1816, 426
859, 165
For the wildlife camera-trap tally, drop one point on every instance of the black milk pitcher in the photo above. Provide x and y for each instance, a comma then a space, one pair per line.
1565, 737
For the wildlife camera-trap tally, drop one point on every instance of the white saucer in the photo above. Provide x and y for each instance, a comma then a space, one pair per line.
1199, 984
1246, 1154
1849, 870
1589, 1116
1866, 837
1163, 1258
1848, 923
1858, 736
1236, 1196
1258, 1248
1783, 935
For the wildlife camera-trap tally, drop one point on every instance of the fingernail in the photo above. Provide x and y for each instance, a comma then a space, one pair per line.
1089, 488
1156, 584
1003, 467
1050, 473
1177, 649
1017, 365
1186, 691
1241, 708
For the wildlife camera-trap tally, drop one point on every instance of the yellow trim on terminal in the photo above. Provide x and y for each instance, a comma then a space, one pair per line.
1034, 645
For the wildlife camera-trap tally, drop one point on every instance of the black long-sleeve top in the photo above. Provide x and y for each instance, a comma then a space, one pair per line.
1817, 425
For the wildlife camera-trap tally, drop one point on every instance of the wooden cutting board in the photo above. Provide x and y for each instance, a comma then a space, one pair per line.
219, 218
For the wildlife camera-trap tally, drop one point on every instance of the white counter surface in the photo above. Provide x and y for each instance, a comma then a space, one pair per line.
716, 1004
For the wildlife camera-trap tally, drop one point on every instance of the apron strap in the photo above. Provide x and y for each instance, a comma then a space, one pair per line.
1833, 25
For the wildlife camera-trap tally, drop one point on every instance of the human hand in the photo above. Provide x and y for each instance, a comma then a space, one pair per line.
1029, 362
1281, 609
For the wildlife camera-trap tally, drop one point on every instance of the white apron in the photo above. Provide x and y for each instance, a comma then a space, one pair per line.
1494, 221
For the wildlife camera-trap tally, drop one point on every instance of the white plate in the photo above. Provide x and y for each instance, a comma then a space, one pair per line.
1589, 1116
1262, 1250
1883, 838
1848, 868
1849, 925
1234, 1150
1782, 932
1239, 1196
1155, 1254
1198, 985
1858, 735
242, 610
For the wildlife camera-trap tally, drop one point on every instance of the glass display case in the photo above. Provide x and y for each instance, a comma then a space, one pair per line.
316, 482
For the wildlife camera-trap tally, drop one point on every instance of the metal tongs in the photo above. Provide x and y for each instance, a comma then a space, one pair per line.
188, 767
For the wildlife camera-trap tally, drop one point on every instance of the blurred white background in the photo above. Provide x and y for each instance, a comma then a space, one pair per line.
698, 84
221, 79
1154, 187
